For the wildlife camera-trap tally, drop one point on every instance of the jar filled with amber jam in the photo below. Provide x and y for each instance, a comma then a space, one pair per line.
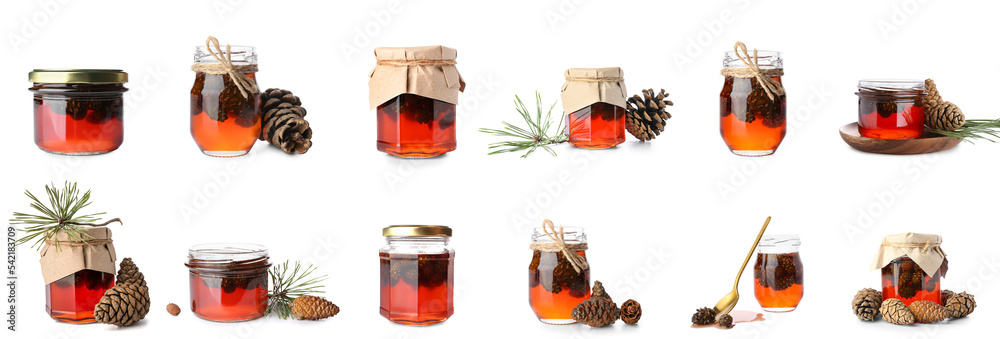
594, 104
558, 276
414, 91
417, 269
891, 109
778, 279
913, 266
78, 111
78, 269
228, 281
225, 112
752, 102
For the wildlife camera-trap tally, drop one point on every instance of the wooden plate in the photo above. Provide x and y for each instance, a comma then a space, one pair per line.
927, 143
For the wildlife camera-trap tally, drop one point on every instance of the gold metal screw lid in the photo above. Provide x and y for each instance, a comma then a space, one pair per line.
78, 76
416, 231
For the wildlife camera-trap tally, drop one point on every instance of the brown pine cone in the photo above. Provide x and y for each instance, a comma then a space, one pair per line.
866, 304
647, 115
313, 308
284, 123
933, 98
961, 304
946, 117
599, 292
928, 312
596, 312
631, 312
123, 305
726, 321
895, 311
704, 316
128, 273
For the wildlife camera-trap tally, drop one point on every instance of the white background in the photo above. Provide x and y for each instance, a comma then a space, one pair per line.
662, 230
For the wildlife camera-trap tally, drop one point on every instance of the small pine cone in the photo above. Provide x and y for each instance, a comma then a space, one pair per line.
928, 312
866, 304
596, 312
933, 98
704, 316
647, 115
123, 305
726, 321
631, 312
946, 117
961, 304
895, 311
284, 123
599, 292
313, 308
128, 273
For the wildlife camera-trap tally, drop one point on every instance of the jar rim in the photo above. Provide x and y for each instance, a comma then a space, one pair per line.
766, 59
77, 76
227, 250
891, 85
416, 231
776, 240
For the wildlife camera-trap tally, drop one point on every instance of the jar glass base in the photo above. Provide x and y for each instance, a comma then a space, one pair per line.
753, 153
778, 309
415, 319
77, 153
557, 321
225, 154
416, 151
228, 320
72, 317
597, 144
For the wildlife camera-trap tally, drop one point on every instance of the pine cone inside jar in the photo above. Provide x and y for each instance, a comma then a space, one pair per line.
895, 311
631, 311
596, 312
960, 305
313, 308
928, 312
123, 305
866, 304
704, 316
647, 115
128, 273
284, 121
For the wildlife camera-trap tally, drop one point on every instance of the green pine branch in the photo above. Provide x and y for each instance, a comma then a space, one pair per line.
975, 129
60, 215
287, 285
537, 134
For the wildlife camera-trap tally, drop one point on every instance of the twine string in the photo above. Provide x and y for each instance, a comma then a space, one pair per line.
422, 62
595, 79
771, 87
558, 237
225, 66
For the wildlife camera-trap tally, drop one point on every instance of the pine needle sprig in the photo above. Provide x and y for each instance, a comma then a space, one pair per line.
60, 215
538, 134
975, 129
286, 286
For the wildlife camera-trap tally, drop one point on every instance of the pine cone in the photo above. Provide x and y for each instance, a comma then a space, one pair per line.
946, 117
630, 311
123, 305
128, 273
946, 295
928, 312
596, 312
647, 115
961, 304
284, 121
866, 304
895, 311
313, 308
704, 316
599, 292
726, 321
933, 98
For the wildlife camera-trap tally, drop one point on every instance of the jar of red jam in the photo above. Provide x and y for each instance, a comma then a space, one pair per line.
752, 102
891, 109
225, 100
415, 93
558, 275
228, 281
913, 266
78, 111
417, 274
594, 104
778, 273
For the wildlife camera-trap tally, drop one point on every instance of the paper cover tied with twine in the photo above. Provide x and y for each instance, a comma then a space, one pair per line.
96, 252
586, 86
427, 71
924, 249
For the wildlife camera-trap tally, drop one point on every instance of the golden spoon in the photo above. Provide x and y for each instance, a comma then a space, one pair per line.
728, 302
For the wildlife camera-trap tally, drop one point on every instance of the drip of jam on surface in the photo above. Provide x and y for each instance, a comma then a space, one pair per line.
555, 288
73, 298
597, 126
751, 123
223, 122
412, 126
778, 281
417, 289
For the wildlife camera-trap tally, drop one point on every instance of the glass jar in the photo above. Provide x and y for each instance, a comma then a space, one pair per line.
752, 124
78, 111
891, 109
77, 269
224, 122
903, 279
412, 126
598, 126
555, 287
778, 273
417, 274
228, 281
72, 299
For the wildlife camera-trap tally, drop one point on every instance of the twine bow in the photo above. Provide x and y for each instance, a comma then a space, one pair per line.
225, 66
422, 62
771, 87
558, 237
603, 79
